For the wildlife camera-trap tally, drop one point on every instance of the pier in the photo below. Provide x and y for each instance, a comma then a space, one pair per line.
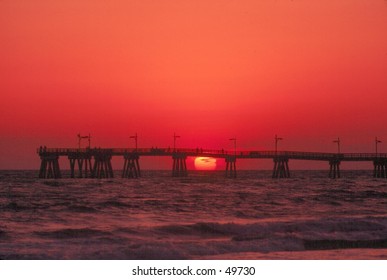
96, 162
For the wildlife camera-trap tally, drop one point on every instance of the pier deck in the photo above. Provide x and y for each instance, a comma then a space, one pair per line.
102, 160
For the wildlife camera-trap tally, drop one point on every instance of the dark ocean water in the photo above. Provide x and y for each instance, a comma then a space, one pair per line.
202, 216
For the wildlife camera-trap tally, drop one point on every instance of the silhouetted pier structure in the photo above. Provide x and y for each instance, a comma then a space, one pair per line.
131, 166
231, 166
81, 161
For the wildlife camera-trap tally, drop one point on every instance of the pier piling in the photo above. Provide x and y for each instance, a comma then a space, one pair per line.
49, 167
281, 168
102, 164
231, 167
334, 168
131, 166
380, 168
83, 160
179, 168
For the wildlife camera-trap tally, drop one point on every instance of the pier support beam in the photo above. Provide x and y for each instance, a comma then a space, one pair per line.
281, 168
179, 168
131, 166
231, 167
380, 168
102, 164
83, 160
49, 167
334, 168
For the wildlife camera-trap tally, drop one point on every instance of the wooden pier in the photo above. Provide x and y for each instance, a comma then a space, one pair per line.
96, 163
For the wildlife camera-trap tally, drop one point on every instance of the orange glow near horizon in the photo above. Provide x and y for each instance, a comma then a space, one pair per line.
205, 163
310, 71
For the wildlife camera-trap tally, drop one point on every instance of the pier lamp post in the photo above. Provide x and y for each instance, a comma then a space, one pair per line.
79, 140
377, 141
135, 139
338, 144
276, 138
234, 139
174, 141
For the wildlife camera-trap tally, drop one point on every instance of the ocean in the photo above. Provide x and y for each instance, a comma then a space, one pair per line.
202, 216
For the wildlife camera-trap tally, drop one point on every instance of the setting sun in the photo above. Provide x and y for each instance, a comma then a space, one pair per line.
205, 163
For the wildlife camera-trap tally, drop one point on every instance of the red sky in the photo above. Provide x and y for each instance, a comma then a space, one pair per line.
307, 70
